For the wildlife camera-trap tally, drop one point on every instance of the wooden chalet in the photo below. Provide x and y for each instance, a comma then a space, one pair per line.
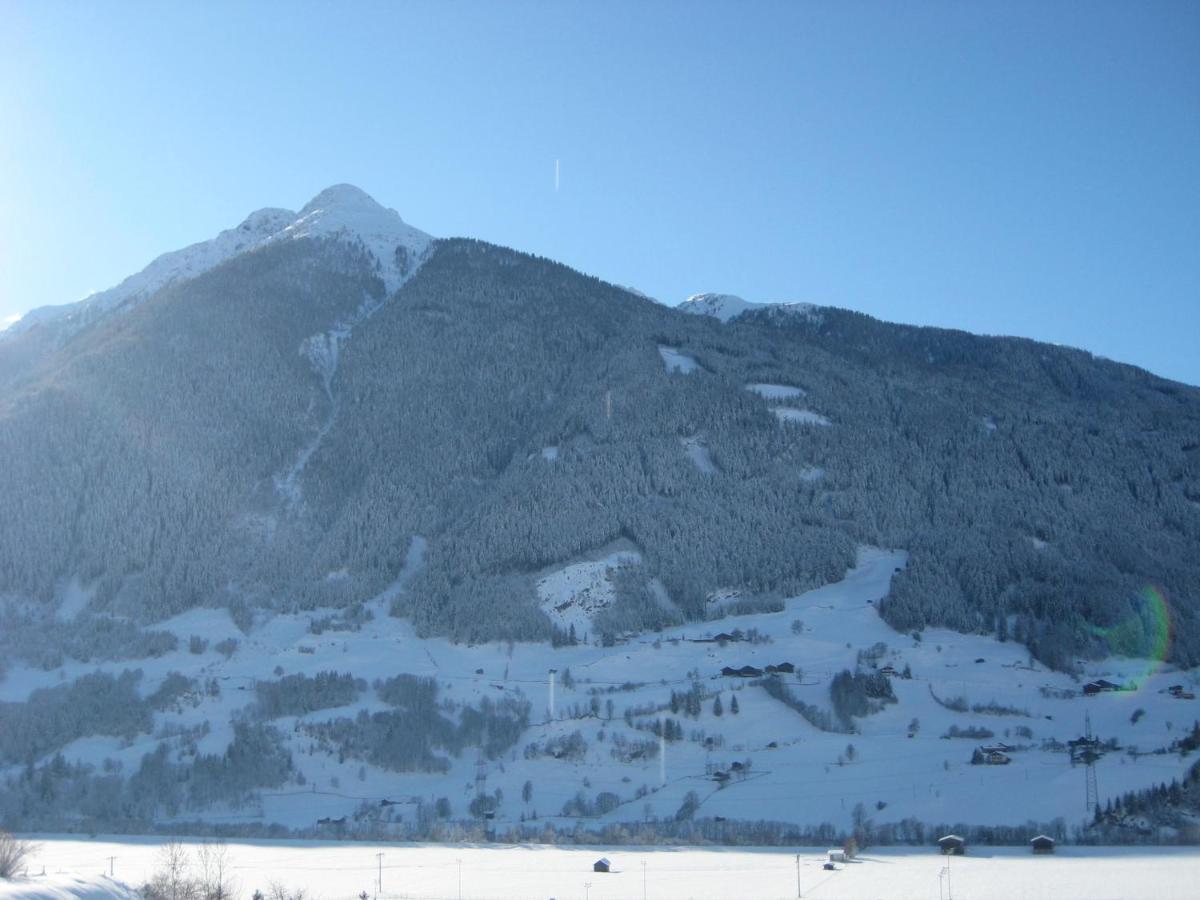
1099, 686
952, 845
1042, 844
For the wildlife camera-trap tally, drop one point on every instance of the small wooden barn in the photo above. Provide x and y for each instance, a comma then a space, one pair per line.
602, 865
952, 845
1042, 844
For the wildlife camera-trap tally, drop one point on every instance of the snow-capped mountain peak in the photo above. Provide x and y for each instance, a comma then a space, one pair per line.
345, 211
719, 306
341, 211
726, 307
342, 196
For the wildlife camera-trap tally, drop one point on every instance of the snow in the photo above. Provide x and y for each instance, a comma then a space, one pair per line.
727, 307
573, 594
798, 416
167, 269
698, 453
720, 306
800, 779
343, 212
327, 870
776, 391
676, 361
346, 212
75, 598
66, 887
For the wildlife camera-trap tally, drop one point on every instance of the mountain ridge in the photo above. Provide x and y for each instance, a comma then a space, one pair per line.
341, 209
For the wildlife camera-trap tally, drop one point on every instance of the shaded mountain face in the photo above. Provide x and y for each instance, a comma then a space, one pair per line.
283, 429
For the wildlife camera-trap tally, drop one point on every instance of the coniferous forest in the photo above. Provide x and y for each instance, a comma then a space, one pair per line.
509, 414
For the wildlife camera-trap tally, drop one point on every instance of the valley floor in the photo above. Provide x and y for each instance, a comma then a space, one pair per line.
329, 870
764, 761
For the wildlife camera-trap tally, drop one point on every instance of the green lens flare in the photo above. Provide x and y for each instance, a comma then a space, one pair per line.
1146, 634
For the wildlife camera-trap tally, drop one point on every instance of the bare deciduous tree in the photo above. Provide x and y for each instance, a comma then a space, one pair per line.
14, 853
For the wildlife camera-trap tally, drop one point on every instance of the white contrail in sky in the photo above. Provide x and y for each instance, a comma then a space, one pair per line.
556, 176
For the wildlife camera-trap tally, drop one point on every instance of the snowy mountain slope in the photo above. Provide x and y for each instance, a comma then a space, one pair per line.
727, 307
246, 438
594, 758
275, 470
342, 211
346, 212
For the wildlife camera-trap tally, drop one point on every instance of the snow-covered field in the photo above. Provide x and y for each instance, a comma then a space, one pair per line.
776, 391
332, 871
799, 416
676, 361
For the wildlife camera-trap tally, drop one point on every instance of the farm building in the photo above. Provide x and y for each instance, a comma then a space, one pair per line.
602, 865
1042, 844
952, 845
743, 672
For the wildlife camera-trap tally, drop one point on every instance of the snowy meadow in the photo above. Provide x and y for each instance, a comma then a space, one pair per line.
331, 871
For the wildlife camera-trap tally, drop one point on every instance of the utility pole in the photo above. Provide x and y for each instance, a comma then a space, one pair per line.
111, 860
662, 757
379, 883
643, 879
460, 878
945, 873
553, 672
798, 894
1091, 789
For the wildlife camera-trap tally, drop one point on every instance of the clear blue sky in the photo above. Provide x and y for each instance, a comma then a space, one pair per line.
1007, 168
